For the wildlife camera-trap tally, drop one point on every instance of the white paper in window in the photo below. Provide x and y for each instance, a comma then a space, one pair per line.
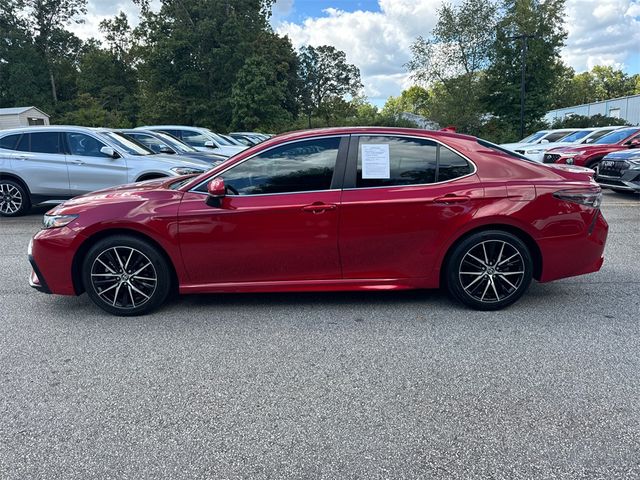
375, 161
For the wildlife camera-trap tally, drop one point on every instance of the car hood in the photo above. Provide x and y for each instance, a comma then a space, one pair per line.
633, 154
133, 192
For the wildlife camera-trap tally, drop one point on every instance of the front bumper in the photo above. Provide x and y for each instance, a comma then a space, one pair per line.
629, 181
51, 253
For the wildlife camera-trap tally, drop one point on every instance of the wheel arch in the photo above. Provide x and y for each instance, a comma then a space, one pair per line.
536, 253
15, 178
83, 249
593, 160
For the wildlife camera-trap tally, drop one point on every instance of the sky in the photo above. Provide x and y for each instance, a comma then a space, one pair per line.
376, 34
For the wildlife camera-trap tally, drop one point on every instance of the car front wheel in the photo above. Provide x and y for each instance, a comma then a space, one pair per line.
489, 270
14, 199
126, 276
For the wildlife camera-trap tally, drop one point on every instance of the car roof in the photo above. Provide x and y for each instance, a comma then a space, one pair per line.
315, 132
54, 128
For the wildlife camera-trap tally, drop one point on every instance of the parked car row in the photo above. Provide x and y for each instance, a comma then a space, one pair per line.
54, 163
612, 152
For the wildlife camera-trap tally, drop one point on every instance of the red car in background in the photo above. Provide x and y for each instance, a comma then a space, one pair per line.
589, 155
331, 209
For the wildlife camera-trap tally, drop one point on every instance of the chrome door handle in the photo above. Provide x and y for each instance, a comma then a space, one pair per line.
451, 199
319, 207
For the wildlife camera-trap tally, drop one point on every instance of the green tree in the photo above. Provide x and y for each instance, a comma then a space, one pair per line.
545, 21
193, 51
264, 94
326, 79
414, 99
47, 20
452, 59
23, 81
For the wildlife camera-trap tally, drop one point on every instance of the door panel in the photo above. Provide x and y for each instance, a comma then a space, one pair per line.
257, 238
397, 232
41, 162
89, 169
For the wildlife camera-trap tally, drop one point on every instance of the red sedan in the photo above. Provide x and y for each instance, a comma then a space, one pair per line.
589, 155
332, 209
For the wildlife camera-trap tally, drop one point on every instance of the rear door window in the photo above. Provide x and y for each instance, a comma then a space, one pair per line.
385, 161
46, 142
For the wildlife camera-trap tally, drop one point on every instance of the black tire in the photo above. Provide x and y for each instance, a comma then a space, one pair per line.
116, 279
490, 280
14, 199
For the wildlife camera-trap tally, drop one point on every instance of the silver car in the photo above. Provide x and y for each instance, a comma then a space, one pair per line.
199, 138
52, 164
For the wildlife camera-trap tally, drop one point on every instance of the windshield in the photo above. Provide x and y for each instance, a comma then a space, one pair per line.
532, 138
575, 136
129, 145
616, 136
174, 143
219, 140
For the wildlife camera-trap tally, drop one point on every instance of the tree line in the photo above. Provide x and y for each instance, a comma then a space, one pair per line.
219, 64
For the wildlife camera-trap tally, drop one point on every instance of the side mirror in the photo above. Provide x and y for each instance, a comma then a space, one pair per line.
634, 143
165, 149
109, 152
544, 141
210, 144
216, 192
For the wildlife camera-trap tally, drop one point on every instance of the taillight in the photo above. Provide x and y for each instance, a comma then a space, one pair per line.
591, 197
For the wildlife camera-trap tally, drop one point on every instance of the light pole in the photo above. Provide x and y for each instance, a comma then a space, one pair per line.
523, 70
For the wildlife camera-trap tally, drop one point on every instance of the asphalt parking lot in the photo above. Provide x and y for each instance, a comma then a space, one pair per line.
331, 385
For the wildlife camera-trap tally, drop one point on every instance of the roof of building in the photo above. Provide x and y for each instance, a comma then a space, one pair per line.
19, 110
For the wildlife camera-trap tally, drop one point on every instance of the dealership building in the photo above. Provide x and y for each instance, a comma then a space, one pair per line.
627, 108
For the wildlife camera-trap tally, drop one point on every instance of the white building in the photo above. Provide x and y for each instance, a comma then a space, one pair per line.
627, 108
22, 117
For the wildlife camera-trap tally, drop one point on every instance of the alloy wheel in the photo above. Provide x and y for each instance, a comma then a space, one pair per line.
491, 271
10, 199
124, 277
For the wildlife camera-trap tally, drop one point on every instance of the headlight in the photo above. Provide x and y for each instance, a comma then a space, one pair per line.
186, 170
534, 152
57, 221
634, 164
572, 154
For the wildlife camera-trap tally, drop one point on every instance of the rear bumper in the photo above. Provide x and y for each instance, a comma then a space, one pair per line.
569, 256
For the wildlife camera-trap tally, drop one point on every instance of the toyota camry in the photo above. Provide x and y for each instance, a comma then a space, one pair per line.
330, 209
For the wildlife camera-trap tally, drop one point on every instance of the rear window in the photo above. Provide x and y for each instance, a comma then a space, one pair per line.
46, 142
10, 141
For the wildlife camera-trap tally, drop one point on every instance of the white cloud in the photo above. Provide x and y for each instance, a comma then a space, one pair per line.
601, 32
377, 42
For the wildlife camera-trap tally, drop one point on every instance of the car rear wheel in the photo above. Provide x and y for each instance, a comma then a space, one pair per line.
14, 199
489, 270
126, 276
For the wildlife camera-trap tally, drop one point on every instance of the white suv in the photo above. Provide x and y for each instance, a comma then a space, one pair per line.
52, 164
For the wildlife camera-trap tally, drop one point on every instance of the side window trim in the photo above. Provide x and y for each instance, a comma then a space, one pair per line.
352, 164
337, 179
